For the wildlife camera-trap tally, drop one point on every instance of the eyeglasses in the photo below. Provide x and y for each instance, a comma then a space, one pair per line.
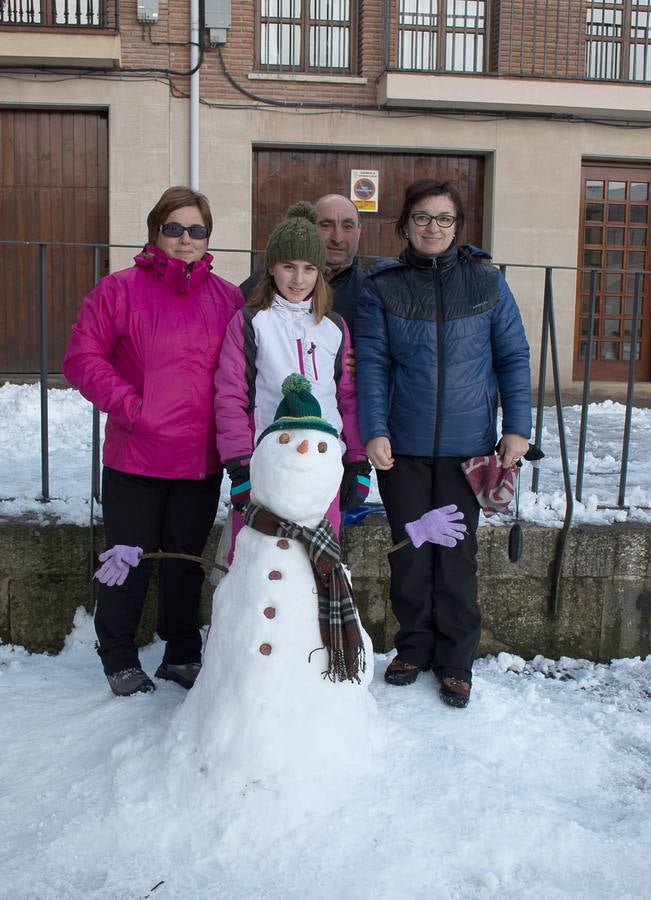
175, 229
443, 220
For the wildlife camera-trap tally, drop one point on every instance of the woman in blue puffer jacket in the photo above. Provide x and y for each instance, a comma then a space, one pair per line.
438, 340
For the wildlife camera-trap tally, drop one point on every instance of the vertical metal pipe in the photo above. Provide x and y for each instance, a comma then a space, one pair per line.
635, 325
534, 42
587, 371
542, 377
386, 30
558, 37
194, 95
94, 461
510, 72
580, 72
569, 499
43, 338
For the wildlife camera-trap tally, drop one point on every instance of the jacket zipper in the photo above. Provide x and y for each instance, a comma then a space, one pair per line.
312, 353
438, 294
299, 350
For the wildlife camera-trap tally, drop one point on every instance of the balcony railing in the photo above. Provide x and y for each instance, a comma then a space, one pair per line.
601, 40
60, 13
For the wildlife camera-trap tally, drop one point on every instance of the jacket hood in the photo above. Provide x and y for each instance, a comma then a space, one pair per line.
179, 275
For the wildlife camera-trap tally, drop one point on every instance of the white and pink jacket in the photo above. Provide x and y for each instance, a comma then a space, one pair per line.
261, 348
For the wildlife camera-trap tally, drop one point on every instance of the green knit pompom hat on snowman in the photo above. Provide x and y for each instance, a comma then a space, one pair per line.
297, 237
299, 408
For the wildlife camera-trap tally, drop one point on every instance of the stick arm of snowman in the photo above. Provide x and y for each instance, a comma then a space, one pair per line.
438, 526
118, 561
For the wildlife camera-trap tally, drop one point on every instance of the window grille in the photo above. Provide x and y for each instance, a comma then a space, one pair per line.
307, 35
441, 35
618, 40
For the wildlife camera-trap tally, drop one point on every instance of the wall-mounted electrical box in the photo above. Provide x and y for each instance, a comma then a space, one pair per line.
217, 16
147, 10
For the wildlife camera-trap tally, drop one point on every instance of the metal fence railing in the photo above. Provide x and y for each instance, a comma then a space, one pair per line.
548, 354
61, 13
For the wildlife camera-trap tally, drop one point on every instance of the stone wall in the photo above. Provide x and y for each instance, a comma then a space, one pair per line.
605, 589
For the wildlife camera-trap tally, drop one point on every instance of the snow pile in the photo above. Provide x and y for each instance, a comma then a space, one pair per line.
539, 788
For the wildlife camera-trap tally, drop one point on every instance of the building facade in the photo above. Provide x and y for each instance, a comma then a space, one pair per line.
539, 111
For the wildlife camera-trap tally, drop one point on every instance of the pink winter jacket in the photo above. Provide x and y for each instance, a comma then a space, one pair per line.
144, 349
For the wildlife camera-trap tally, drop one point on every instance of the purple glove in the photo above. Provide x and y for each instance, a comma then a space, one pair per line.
117, 563
438, 526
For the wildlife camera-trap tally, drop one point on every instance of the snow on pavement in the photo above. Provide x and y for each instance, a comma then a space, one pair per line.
539, 788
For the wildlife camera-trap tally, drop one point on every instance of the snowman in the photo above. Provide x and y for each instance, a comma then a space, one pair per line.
283, 690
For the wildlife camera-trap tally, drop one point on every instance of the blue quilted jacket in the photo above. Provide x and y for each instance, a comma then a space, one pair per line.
437, 341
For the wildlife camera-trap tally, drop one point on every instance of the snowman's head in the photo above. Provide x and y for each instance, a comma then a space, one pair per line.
296, 468
296, 473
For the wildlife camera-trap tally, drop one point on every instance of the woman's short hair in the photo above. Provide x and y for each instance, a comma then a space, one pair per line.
421, 190
172, 199
262, 294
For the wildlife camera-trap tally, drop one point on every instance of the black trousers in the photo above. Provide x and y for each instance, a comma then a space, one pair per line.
174, 515
434, 588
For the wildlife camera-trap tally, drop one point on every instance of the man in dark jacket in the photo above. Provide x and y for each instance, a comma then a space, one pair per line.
339, 224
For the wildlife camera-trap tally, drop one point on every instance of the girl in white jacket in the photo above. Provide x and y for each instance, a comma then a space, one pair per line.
287, 326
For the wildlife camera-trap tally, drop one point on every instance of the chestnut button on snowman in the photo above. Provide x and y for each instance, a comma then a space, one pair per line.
283, 691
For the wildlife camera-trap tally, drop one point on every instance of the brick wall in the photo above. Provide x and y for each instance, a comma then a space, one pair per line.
525, 38
164, 45
538, 38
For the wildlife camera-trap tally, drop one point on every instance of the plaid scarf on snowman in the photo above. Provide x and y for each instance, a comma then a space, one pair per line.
338, 621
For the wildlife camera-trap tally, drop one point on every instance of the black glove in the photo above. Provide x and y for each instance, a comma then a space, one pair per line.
355, 484
238, 472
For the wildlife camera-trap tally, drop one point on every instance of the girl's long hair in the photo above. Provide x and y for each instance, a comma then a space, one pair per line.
262, 294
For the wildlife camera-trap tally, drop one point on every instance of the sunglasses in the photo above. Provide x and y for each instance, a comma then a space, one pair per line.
175, 229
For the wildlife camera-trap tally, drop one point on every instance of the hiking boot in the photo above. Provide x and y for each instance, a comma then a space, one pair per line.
184, 674
399, 672
130, 681
455, 692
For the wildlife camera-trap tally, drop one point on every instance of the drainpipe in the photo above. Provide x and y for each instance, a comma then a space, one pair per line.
194, 95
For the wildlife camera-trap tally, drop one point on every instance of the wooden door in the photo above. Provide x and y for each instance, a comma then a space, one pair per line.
281, 177
53, 188
615, 211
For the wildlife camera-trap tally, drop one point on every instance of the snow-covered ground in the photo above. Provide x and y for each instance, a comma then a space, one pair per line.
69, 434
539, 789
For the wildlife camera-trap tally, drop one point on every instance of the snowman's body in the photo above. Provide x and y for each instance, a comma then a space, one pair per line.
262, 708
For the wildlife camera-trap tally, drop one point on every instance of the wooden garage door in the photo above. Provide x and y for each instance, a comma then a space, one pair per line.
53, 187
281, 177
614, 239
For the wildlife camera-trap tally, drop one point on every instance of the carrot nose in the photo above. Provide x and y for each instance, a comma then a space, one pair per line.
303, 447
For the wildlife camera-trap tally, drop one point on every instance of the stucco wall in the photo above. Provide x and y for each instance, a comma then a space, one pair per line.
605, 596
532, 185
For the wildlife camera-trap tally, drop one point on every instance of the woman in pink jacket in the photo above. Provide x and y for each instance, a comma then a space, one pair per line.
286, 327
144, 349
